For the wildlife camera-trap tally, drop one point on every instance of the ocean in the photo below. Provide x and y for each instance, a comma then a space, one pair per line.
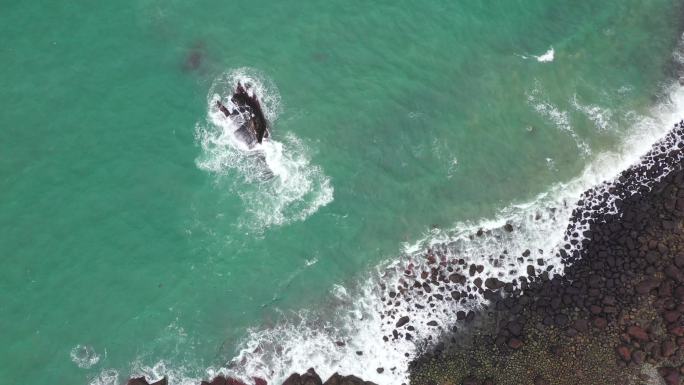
139, 238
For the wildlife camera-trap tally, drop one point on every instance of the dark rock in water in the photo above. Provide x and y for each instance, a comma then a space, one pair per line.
143, 381
457, 278
337, 379
308, 378
259, 381
311, 378
247, 114
294, 379
432, 323
194, 57
402, 321
508, 227
234, 381
380, 370
493, 284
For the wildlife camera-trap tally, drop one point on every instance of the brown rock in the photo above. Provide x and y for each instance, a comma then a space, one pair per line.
624, 352
667, 348
515, 343
671, 316
637, 332
645, 286
670, 375
600, 323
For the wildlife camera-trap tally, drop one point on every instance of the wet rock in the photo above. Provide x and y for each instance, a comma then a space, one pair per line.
645, 286
493, 284
402, 321
668, 348
508, 227
600, 323
624, 352
637, 333
638, 357
457, 278
581, 325
515, 343
670, 375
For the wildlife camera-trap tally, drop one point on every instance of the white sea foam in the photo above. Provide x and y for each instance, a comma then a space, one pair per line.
105, 377
84, 356
601, 117
547, 57
555, 115
276, 180
328, 339
310, 339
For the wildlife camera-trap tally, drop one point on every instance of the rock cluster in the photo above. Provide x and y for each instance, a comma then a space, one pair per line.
308, 378
624, 253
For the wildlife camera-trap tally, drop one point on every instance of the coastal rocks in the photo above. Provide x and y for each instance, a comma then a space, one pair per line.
402, 321
221, 380
624, 265
308, 378
337, 379
143, 381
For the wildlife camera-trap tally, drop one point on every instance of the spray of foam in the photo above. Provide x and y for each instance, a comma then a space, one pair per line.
599, 116
330, 340
275, 180
346, 334
558, 117
84, 356
547, 57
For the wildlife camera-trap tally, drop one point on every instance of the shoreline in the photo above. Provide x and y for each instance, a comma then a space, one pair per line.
616, 315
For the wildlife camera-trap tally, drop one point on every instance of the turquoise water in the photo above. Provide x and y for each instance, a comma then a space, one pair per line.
122, 231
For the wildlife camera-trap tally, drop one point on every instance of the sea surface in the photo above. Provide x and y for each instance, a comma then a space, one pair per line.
138, 237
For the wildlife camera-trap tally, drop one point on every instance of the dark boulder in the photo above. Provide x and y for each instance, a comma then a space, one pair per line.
402, 321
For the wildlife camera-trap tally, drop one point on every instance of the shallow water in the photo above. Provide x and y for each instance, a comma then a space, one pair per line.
133, 231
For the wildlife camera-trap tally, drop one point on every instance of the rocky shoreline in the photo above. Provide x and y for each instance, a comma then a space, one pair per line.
308, 378
615, 315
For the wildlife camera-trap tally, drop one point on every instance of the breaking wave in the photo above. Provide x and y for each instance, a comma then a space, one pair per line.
355, 331
275, 180
84, 356
354, 334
